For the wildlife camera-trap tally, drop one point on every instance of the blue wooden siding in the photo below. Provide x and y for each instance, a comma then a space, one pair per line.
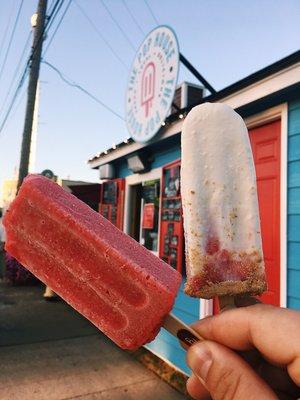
166, 156
166, 345
293, 229
186, 308
160, 153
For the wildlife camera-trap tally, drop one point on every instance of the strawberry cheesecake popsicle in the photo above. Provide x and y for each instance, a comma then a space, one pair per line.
220, 207
120, 286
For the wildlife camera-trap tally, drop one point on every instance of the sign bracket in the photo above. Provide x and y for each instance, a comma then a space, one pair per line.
193, 70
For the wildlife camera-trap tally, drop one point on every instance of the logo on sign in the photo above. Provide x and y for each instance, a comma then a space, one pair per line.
152, 83
148, 87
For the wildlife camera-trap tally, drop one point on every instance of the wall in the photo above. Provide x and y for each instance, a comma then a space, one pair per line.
293, 228
159, 154
167, 346
186, 308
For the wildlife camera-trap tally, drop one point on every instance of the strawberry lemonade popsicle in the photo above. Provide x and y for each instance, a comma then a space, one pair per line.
112, 280
220, 207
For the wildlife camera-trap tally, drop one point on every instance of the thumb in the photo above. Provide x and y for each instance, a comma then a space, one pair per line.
226, 375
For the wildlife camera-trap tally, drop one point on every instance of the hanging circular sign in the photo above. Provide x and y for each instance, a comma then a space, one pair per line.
152, 83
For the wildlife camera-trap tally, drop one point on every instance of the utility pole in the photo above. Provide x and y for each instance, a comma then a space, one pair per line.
32, 86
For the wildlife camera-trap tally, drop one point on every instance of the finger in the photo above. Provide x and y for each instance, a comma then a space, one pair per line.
279, 380
226, 375
196, 389
264, 327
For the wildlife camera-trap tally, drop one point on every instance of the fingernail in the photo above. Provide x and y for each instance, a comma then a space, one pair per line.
199, 360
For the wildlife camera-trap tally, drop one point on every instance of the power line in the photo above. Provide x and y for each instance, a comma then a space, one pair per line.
79, 87
11, 37
58, 5
16, 70
6, 28
24, 74
21, 98
118, 25
151, 12
49, 20
21, 82
100, 34
57, 27
53, 1
133, 18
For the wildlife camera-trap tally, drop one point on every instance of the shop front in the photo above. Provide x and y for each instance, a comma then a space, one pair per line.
140, 191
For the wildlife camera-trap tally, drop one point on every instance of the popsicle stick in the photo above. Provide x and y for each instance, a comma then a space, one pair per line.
186, 335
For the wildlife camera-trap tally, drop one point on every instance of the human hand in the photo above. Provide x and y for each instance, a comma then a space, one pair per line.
249, 353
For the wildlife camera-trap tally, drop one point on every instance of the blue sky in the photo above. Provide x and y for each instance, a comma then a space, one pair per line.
225, 40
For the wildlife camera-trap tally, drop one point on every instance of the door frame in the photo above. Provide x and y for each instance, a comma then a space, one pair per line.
130, 181
254, 121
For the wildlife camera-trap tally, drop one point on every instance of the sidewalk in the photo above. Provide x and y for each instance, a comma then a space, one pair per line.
48, 351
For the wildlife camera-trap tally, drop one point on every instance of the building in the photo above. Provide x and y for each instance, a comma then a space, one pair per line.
9, 190
141, 193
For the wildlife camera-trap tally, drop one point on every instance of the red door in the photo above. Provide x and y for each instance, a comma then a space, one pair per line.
265, 141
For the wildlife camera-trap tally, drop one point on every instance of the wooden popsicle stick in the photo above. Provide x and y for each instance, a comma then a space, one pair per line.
226, 302
186, 335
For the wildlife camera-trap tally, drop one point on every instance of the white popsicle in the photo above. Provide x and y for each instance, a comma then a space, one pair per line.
220, 207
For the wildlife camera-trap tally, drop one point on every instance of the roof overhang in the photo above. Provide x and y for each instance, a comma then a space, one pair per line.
264, 88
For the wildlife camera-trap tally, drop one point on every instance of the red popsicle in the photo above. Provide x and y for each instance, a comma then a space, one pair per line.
107, 276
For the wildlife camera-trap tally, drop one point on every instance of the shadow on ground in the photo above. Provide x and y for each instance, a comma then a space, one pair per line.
48, 351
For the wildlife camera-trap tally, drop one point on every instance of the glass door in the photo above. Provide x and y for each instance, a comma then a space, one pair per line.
149, 223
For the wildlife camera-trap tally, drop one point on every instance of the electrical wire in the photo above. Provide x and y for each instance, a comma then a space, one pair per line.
11, 37
133, 18
57, 27
21, 82
100, 34
58, 5
118, 25
53, 1
16, 70
151, 12
19, 103
25, 71
79, 87
6, 28
47, 25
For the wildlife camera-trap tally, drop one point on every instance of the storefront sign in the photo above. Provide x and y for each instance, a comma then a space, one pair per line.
152, 83
148, 216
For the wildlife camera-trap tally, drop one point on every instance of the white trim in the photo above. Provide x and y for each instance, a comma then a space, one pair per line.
262, 118
280, 111
269, 115
256, 91
168, 131
264, 87
135, 180
283, 205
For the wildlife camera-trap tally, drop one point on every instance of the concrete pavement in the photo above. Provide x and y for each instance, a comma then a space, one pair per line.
48, 351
